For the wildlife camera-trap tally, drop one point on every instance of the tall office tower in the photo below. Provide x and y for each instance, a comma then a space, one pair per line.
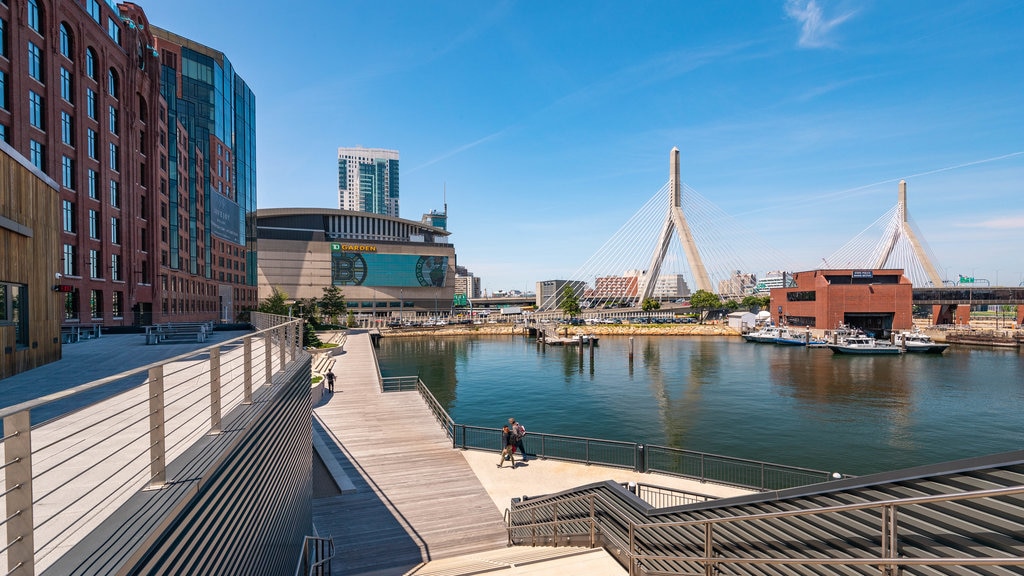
211, 187
368, 180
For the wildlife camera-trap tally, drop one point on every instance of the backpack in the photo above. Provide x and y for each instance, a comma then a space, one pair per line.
520, 430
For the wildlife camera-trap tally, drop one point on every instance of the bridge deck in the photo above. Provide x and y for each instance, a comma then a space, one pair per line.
415, 498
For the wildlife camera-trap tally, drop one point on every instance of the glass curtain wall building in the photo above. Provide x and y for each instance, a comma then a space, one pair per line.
213, 176
368, 180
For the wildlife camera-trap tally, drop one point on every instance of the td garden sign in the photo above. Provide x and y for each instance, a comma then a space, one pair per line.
339, 247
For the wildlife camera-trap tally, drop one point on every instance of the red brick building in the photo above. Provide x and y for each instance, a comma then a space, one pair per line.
877, 301
151, 217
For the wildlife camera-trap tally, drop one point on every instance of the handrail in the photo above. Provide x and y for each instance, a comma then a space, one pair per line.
725, 470
714, 557
75, 469
313, 561
75, 390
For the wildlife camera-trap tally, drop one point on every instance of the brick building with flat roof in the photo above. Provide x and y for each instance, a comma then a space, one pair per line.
877, 301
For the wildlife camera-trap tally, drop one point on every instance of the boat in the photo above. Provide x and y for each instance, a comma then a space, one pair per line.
864, 345
799, 339
918, 342
767, 334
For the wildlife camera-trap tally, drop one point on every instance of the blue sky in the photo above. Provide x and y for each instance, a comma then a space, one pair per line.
550, 123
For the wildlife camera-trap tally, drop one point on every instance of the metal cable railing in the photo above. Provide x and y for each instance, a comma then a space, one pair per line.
68, 474
888, 534
739, 472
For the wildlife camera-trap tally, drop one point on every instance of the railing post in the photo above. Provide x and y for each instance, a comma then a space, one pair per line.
157, 447
268, 349
554, 524
889, 540
18, 473
282, 339
763, 487
247, 379
632, 549
709, 549
593, 523
215, 390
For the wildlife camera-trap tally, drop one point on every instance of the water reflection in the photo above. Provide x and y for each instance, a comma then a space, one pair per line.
790, 405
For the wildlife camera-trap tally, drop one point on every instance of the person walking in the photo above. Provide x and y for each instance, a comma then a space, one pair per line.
508, 443
330, 381
518, 431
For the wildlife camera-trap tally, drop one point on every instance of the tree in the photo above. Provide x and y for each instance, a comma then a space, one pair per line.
275, 303
309, 337
752, 303
332, 304
570, 304
702, 301
649, 305
309, 310
731, 305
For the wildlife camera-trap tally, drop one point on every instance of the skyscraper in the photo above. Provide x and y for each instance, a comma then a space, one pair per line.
211, 113
368, 180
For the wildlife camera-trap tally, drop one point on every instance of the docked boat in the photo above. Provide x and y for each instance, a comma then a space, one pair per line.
767, 334
918, 342
864, 345
799, 339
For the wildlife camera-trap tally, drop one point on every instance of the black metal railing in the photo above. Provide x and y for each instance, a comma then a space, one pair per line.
739, 472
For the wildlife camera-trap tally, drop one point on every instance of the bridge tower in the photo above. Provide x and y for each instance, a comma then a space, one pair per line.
675, 221
903, 229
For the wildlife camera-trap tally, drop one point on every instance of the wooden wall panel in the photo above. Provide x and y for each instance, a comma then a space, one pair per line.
29, 255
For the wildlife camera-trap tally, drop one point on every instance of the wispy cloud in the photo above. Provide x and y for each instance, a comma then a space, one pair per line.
815, 28
1005, 223
463, 148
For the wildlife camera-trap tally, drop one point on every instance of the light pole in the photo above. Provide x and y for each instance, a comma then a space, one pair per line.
401, 304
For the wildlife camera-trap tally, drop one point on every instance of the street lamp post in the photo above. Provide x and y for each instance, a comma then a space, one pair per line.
401, 305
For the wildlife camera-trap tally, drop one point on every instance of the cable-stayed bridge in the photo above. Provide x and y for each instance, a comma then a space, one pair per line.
680, 242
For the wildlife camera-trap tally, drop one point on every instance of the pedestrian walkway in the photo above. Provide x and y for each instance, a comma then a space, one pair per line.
415, 497
406, 496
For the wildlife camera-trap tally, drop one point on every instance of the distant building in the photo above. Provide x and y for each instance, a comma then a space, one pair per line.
549, 292
776, 279
368, 180
466, 283
671, 286
614, 288
738, 285
877, 301
385, 266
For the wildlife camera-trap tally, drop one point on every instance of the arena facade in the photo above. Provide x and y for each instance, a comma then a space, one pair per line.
386, 267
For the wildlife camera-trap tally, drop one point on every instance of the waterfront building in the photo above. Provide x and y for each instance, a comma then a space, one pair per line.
670, 286
877, 301
368, 180
384, 265
82, 101
209, 263
549, 292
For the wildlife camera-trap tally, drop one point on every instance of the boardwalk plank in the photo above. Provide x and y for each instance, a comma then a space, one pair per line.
416, 498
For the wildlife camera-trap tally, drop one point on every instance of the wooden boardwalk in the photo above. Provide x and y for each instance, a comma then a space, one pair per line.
415, 498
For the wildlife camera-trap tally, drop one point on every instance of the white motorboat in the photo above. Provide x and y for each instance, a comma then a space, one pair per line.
767, 334
918, 342
864, 345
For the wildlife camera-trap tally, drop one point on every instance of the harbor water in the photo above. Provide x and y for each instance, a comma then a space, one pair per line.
787, 405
